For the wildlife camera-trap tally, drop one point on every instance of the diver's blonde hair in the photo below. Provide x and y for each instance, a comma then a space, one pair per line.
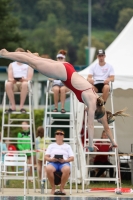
111, 116
100, 110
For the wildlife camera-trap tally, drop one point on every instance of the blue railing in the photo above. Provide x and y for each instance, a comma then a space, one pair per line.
3, 69
79, 67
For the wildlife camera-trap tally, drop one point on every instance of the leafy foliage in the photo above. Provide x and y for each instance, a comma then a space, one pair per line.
10, 36
105, 12
124, 16
45, 26
38, 114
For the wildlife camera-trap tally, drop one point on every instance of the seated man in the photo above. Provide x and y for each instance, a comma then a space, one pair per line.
59, 155
103, 159
100, 75
18, 81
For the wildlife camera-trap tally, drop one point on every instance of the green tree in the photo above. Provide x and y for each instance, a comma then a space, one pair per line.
40, 20
9, 34
105, 13
27, 13
81, 48
46, 7
108, 38
62, 38
44, 34
124, 16
10, 37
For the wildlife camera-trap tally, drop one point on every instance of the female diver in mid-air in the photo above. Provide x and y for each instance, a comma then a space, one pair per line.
75, 82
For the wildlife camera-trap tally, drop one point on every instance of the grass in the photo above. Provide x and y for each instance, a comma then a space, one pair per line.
100, 34
19, 184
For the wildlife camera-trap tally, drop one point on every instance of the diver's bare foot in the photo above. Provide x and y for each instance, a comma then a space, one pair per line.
35, 54
28, 51
114, 145
3, 52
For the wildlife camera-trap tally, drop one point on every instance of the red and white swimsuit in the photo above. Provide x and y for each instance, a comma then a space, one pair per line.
70, 70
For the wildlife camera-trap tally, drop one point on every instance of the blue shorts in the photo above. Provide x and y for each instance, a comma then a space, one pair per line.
58, 166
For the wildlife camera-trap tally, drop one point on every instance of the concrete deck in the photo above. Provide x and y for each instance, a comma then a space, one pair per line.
19, 192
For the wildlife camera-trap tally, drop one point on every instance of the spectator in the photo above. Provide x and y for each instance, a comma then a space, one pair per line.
58, 87
25, 145
18, 76
103, 159
59, 148
40, 146
100, 75
3, 148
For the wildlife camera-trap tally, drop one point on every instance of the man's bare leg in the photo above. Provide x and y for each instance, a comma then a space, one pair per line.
65, 175
50, 174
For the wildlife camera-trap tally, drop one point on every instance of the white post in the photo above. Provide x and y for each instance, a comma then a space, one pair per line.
35, 94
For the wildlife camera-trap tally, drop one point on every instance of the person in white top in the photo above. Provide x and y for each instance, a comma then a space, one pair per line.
18, 76
58, 87
54, 150
100, 75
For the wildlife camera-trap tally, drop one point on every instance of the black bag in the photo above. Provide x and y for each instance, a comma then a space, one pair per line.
57, 177
125, 171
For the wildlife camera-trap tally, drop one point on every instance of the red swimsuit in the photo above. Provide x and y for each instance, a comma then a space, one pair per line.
70, 70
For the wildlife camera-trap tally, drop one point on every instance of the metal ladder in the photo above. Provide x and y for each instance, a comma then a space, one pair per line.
14, 122
87, 154
61, 124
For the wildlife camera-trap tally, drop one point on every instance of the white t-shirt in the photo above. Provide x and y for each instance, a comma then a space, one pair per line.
55, 149
101, 73
19, 70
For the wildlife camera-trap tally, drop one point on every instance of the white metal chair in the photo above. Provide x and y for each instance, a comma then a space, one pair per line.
18, 160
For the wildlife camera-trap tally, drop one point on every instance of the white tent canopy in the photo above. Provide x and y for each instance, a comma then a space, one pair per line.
120, 55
